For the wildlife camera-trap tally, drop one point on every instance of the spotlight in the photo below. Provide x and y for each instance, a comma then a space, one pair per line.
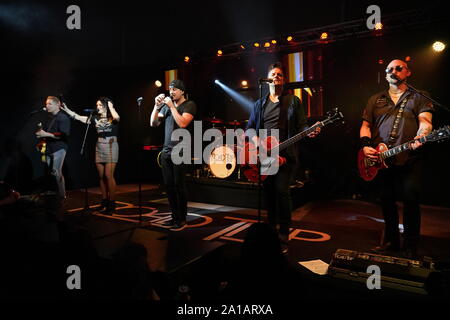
289, 38
274, 41
438, 46
242, 47
219, 53
256, 44
244, 83
216, 81
408, 58
267, 44
158, 83
380, 61
187, 59
324, 36
378, 26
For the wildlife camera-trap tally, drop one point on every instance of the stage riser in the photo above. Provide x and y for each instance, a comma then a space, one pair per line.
236, 194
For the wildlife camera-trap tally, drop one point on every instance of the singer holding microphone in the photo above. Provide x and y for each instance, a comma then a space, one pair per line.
177, 112
393, 117
282, 111
106, 121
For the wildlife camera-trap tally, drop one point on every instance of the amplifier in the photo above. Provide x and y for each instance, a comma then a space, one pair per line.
397, 273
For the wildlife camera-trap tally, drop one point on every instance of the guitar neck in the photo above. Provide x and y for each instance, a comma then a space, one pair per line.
298, 137
398, 149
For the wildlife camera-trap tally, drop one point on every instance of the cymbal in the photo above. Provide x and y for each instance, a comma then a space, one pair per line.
213, 120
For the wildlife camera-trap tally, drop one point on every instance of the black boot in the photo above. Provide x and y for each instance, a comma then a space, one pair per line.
112, 207
103, 205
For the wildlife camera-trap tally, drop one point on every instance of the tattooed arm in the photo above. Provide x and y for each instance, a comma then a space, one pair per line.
425, 127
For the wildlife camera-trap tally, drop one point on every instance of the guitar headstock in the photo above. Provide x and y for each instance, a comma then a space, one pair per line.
439, 134
334, 115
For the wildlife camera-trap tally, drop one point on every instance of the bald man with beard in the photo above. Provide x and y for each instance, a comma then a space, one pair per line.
414, 117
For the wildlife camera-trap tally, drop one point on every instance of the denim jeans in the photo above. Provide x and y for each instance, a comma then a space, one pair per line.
55, 163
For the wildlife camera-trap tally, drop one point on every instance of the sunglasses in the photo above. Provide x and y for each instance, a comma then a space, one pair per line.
397, 68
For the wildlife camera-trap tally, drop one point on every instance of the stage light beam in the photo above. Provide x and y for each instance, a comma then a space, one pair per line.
237, 97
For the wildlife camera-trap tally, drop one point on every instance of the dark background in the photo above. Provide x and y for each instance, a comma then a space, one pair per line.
122, 48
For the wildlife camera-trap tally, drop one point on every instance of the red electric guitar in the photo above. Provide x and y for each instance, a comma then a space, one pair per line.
271, 144
368, 168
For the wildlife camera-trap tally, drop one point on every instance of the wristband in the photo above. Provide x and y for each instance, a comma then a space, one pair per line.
365, 142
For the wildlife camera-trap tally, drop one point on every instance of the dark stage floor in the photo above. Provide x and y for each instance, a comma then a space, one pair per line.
214, 237
206, 256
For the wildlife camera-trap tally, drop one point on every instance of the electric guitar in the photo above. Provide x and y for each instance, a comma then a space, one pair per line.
42, 144
271, 144
368, 168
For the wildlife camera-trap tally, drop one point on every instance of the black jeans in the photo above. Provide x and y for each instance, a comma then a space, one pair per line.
278, 198
405, 180
175, 181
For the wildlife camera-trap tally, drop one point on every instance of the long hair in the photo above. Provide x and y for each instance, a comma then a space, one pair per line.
104, 101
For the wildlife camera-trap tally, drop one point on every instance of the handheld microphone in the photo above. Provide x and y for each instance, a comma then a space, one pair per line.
139, 100
262, 80
93, 111
37, 111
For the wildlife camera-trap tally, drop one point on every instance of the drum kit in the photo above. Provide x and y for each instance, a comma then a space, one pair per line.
223, 159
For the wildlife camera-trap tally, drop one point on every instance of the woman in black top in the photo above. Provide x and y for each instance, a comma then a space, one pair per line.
107, 149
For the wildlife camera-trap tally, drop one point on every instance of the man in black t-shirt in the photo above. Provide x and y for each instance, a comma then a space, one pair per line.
282, 112
54, 133
177, 112
411, 114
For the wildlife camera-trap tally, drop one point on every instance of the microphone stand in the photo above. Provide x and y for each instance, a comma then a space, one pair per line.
410, 87
258, 160
88, 122
139, 101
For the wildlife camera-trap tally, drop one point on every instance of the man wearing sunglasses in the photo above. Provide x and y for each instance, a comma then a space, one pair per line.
393, 117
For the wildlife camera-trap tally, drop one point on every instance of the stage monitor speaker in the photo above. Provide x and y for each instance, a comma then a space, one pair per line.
395, 273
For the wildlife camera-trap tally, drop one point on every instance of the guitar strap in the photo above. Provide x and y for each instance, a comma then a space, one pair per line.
394, 131
51, 123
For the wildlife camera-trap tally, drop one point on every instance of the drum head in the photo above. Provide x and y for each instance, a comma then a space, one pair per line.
222, 161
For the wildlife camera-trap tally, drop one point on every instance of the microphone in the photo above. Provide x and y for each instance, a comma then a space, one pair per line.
93, 111
262, 80
37, 111
139, 100
393, 76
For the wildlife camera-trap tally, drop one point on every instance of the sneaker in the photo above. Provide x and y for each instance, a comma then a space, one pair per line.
179, 226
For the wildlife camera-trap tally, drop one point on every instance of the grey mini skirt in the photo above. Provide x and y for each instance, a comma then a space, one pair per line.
107, 150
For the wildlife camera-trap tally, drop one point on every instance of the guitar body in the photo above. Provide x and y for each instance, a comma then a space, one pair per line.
42, 145
368, 168
250, 154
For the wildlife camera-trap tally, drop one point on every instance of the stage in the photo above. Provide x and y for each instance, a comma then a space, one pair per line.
203, 253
